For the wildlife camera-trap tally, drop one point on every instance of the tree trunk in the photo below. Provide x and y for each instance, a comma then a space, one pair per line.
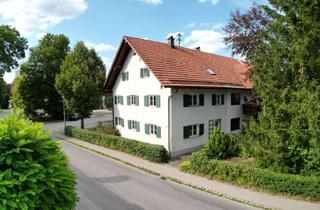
82, 123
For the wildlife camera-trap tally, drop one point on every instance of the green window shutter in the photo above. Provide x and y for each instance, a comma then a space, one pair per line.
128, 100
127, 76
186, 100
146, 128
141, 73
137, 100
201, 129
146, 100
138, 126
148, 73
201, 100
222, 99
158, 102
121, 100
129, 124
122, 122
122, 76
115, 100
158, 131
214, 99
186, 132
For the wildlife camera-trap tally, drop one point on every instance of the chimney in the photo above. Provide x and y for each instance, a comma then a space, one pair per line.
171, 41
198, 48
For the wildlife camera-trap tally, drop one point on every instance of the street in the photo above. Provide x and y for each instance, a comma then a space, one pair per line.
105, 184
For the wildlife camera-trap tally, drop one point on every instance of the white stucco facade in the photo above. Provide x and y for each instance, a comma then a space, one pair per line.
171, 116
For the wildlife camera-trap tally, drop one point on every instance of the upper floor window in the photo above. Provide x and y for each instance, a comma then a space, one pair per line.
118, 100
119, 121
193, 131
152, 100
144, 72
217, 99
193, 100
133, 100
153, 130
235, 98
235, 124
125, 76
134, 125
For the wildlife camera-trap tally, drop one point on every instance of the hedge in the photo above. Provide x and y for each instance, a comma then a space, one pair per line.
250, 176
154, 153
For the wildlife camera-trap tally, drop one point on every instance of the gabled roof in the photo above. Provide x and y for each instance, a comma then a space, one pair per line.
180, 66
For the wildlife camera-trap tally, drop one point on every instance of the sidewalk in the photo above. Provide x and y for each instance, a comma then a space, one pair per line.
258, 199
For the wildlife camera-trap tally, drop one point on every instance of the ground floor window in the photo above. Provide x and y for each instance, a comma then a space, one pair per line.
193, 130
153, 130
215, 123
235, 124
134, 125
119, 121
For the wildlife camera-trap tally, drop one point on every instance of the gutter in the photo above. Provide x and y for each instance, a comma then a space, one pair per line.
169, 122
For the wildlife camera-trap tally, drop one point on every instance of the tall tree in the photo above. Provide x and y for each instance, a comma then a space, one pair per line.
37, 86
244, 31
12, 48
4, 94
80, 81
287, 79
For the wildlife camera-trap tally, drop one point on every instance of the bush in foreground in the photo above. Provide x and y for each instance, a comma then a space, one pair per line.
248, 175
34, 171
154, 153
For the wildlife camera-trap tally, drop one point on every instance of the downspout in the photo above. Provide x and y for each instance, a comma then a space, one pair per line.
169, 122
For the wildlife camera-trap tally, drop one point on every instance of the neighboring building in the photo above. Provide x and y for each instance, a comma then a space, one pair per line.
174, 96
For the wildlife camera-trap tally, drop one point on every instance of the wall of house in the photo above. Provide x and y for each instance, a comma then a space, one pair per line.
144, 115
184, 116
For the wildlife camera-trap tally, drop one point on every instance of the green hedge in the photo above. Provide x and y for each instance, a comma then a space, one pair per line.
251, 176
154, 153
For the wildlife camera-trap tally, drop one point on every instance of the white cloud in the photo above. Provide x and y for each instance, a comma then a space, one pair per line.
100, 47
40, 35
33, 16
107, 61
155, 2
208, 40
213, 2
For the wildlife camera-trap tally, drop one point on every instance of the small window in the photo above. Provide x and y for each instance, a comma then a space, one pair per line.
119, 121
214, 124
153, 130
235, 98
118, 100
193, 131
152, 100
134, 125
193, 100
217, 99
144, 72
133, 100
125, 76
235, 124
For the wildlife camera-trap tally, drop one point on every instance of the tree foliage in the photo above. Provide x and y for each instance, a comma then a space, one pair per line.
12, 48
80, 81
34, 171
287, 80
37, 88
4, 94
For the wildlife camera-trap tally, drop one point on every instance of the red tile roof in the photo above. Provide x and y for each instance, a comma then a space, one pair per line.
183, 67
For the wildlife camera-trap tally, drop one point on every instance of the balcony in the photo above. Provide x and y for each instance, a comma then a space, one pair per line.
251, 108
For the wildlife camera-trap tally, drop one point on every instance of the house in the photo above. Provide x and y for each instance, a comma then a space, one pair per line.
173, 96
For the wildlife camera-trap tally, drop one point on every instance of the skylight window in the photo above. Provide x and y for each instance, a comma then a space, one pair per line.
211, 72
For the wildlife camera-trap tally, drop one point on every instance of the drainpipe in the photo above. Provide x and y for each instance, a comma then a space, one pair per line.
169, 122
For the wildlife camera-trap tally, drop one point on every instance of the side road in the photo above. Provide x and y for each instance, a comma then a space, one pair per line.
166, 171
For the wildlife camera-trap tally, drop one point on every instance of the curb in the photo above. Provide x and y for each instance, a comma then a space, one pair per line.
172, 179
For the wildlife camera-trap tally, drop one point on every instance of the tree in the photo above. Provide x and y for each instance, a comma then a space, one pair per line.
12, 48
4, 94
34, 171
37, 89
80, 81
287, 80
244, 31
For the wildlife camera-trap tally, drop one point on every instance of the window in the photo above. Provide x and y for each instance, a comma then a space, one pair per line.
235, 124
119, 121
134, 125
144, 72
125, 76
153, 130
118, 100
152, 100
133, 100
193, 131
235, 98
214, 124
217, 99
193, 100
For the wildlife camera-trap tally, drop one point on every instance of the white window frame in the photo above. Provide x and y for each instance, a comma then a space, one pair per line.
152, 130
194, 100
218, 123
118, 100
145, 72
152, 100
134, 125
194, 130
132, 99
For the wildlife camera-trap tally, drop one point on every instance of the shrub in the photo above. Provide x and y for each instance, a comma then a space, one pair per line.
34, 172
222, 146
107, 129
154, 153
248, 175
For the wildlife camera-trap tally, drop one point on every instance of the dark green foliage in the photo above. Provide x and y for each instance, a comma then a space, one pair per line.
250, 176
107, 129
4, 94
12, 48
286, 136
222, 146
34, 171
154, 153
80, 81
37, 88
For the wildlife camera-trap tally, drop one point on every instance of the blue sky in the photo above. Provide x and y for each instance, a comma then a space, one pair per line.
101, 24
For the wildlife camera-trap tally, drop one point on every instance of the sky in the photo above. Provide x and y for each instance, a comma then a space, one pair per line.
101, 24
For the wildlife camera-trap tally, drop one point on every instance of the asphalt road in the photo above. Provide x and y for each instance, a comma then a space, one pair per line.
105, 184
